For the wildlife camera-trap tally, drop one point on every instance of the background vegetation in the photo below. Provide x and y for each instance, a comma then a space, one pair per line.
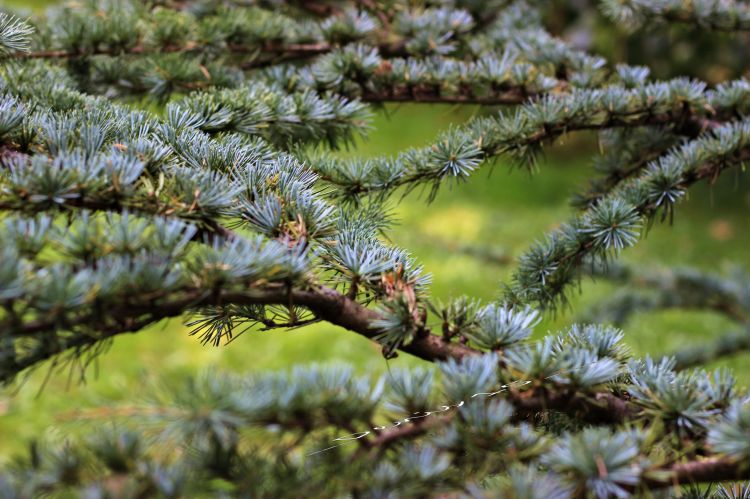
489, 211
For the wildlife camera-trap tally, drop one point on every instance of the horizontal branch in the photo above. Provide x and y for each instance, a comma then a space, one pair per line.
407, 431
656, 289
711, 470
686, 123
206, 229
599, 408
461, 152
275, 52
433, 95
729, 16
726, 345
326, 303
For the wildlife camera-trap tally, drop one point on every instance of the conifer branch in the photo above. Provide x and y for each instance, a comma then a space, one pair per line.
275, 52
671, 288
225, 206
709, 470
262, 56
725, 345
457, 154
627, 152
324, 302
205, 229
727, 15
613, 224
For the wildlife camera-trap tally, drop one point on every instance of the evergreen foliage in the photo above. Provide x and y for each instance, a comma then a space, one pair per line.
224, 204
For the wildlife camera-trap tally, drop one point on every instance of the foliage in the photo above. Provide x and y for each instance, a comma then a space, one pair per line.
229, 207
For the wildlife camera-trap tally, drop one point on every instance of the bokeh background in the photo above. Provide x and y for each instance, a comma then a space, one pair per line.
503, 209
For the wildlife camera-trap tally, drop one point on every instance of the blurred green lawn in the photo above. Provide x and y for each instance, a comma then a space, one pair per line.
502, 206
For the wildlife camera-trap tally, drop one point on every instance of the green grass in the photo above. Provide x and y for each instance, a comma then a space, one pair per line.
508, 208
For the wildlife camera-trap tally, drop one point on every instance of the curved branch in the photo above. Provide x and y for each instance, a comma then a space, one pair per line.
326, 303
656, 289
518, 134
727, 345
573, 243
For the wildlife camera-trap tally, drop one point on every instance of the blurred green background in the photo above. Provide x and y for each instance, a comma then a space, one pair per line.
501, 207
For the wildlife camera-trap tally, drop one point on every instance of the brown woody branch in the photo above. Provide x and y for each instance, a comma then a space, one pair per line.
333, 307
275, 49
601, 408
325, 303
406, 432
714, 469
425, 94
273, 53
